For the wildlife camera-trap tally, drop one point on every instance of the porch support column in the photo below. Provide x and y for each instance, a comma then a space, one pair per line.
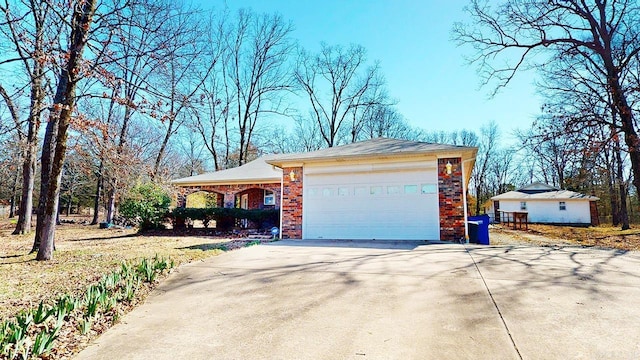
229, 199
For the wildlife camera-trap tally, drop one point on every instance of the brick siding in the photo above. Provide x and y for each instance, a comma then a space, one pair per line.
292, 204
450, 196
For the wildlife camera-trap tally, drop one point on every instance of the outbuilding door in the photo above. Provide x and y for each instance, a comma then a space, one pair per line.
383, 205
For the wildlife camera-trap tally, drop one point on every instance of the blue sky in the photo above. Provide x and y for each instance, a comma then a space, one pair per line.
425, 70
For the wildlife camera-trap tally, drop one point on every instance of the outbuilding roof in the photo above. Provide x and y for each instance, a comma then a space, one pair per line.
374, 148
547, 195
254, 172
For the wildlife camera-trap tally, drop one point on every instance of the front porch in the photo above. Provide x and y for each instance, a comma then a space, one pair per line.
239, 196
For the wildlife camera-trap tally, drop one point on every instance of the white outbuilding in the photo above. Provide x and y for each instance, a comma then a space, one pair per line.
546, 204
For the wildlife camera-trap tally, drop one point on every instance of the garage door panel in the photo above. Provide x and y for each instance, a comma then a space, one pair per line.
376, 205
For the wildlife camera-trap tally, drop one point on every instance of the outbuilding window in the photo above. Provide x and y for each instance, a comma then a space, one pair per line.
523, 205
269, 197
563, 205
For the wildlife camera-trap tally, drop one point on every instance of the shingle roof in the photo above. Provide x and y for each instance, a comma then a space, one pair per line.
548, 195
373, 148
256, 171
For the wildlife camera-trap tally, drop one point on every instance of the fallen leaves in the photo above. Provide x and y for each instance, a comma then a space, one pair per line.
540, 234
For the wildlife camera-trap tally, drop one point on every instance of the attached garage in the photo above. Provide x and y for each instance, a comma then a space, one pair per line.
363, 202
380, 189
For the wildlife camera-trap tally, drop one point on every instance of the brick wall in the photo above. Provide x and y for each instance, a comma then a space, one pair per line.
256, 198
450, 195
292, 204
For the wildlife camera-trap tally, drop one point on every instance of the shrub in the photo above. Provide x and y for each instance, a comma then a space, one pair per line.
225, 218
145, 204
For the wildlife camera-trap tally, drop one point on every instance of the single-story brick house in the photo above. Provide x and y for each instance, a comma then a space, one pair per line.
546, 204
382, 189
254, 185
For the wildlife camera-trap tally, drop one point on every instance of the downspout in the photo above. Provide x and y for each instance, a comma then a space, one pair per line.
464, 201
281, 203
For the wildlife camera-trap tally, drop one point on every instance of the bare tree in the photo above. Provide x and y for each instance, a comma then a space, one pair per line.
383, 120
487, 147
27, 28
375, 106
59, 120
191, 162
210, 120
248, 82
603, 36
337, 84
256, 52
182, 73
500, 172
147, 33
580, 112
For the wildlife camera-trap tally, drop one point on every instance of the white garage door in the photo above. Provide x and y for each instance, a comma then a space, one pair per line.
383, 205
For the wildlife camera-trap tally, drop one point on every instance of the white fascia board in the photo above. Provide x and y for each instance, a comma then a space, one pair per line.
231, 182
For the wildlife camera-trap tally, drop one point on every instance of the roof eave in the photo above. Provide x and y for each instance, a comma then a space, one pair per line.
470, 152
227, 182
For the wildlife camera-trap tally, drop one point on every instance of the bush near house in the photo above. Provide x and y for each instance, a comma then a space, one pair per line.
145, 205
225, 218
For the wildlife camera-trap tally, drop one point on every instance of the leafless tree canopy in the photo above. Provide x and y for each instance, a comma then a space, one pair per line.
338, 83
599, 40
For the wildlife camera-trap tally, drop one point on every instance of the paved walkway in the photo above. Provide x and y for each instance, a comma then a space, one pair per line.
324, 300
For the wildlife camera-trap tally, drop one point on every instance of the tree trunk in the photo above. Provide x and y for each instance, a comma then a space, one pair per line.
50, 209
65, 102
37, 94
624, 215
12, 201
12, 207
29, 162
68, 207
50, 136
626, 119
96, 202
613, 197
111, 205
163, 147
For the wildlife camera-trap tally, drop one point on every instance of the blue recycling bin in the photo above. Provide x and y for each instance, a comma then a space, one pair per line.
482, 228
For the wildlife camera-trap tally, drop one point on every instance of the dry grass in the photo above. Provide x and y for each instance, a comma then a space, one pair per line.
598, 236
83, 255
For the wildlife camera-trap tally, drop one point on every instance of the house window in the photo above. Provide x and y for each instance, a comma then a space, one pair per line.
343, 191
269, 197
375, 190
563, 205
523, 205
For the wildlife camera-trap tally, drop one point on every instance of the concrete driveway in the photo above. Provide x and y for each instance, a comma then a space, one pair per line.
331, 300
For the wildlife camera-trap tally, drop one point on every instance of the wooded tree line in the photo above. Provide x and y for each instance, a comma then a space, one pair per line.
587, 54
97, 96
